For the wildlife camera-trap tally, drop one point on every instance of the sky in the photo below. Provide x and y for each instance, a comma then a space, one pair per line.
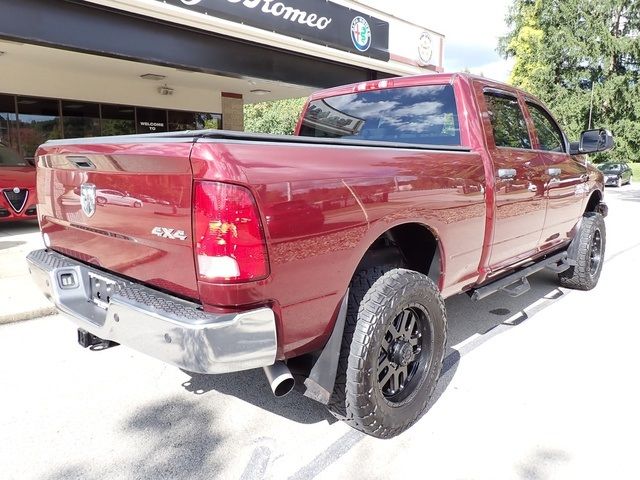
471, 28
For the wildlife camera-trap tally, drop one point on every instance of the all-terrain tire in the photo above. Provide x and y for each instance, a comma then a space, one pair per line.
592, 240
377, 298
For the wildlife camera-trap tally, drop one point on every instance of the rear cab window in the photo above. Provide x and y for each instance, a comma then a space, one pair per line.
425, 115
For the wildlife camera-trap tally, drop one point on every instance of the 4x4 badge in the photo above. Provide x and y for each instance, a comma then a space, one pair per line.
169, 233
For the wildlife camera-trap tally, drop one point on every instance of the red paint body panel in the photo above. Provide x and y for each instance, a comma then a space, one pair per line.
322, 207
138, 187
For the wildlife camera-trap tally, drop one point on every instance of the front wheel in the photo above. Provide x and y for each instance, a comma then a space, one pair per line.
592, 240
395, 340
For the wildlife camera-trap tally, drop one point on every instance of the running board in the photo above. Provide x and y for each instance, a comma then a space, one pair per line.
516, 283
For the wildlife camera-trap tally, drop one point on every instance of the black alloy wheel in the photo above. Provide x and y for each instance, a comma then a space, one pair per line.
405, 353
591, 241
394, 342
595, 252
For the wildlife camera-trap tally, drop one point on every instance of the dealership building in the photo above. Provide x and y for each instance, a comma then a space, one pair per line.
74, 68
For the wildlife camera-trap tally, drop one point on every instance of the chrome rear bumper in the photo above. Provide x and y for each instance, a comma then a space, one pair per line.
157, 324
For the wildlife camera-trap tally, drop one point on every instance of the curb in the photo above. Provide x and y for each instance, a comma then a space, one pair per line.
28, 315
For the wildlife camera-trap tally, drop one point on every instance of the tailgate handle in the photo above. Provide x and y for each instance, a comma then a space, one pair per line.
82, 162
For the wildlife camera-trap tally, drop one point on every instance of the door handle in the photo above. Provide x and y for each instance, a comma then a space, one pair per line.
507, 173
554, 172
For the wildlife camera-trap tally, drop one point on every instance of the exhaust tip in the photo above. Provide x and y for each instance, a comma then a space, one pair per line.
284, 387
280, 379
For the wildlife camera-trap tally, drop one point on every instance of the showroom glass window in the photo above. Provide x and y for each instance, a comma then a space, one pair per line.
179, 121
209, 121
151, 120
118, 119
8, 122
39, 120
80, 119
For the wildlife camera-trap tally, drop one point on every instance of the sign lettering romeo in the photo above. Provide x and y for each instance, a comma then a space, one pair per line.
324, 23
279, 9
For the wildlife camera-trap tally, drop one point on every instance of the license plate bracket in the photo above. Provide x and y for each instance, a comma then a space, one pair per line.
101, 290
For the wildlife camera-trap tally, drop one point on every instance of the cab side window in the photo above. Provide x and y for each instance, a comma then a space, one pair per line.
549, 134
507, 120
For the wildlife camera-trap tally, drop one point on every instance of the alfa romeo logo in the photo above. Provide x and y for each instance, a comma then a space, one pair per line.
361, 34
88, 199
425, 48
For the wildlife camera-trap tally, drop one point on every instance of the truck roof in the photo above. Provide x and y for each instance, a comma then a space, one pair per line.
413, 80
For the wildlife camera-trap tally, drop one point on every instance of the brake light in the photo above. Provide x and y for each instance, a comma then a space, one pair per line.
230, 242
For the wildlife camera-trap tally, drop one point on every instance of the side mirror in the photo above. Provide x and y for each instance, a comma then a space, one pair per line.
594, 141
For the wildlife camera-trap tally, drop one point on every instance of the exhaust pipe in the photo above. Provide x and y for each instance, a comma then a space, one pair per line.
280, 379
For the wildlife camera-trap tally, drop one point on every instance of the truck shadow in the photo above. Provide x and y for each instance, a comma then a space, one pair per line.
251, 386
470, 324
175, 438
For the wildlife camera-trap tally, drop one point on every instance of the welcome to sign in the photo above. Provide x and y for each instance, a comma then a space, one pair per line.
323, 23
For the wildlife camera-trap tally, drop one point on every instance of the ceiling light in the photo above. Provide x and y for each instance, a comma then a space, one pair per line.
153, 76
260, 91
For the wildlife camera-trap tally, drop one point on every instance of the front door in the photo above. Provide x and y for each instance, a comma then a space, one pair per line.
565, 179
519, 181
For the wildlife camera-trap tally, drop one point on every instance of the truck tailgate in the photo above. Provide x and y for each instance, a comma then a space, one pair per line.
123, 207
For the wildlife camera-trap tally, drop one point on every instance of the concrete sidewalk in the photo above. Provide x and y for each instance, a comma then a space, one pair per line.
20, 299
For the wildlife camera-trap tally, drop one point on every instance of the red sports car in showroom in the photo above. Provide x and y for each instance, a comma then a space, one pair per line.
17, 187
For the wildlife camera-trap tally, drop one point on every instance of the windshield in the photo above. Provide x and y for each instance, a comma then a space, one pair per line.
424, 115
610, 167
10, 158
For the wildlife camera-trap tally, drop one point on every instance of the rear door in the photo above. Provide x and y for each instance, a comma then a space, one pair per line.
124, 207
519, 179
565, 178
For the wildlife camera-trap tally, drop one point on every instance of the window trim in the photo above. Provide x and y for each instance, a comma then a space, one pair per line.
565, 144
495, 92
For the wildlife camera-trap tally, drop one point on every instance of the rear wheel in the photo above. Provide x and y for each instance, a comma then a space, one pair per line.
392, 352
592, 239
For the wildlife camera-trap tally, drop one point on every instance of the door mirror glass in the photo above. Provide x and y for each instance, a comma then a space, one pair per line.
594, 141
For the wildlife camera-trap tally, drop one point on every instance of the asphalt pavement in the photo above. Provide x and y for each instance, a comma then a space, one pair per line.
542, 386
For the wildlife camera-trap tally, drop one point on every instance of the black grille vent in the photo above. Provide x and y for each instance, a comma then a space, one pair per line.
16, 200
4, 212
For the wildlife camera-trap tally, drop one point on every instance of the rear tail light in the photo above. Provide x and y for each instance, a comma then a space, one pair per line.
230, 242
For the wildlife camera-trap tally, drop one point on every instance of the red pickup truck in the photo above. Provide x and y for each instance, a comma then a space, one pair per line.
324, 257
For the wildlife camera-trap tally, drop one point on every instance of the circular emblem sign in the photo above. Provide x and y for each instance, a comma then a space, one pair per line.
361, 34
425, 50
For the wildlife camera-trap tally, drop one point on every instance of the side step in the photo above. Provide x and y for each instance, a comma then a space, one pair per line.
516, 283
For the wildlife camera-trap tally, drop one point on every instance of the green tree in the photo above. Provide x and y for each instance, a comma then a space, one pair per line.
278, 117
575, 54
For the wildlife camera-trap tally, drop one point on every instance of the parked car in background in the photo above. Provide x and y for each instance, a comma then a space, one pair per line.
617, 174
17, 186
